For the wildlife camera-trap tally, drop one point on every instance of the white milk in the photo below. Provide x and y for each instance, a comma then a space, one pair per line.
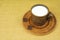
39, 11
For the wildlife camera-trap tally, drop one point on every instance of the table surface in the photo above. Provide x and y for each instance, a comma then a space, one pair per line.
11, 15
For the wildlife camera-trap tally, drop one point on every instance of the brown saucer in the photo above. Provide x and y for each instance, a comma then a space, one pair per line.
47, 27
